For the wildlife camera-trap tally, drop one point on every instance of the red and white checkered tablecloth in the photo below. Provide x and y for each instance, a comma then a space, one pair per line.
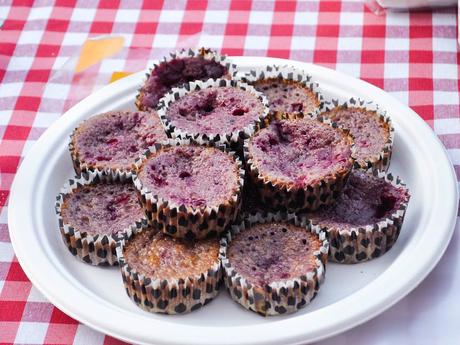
414, 56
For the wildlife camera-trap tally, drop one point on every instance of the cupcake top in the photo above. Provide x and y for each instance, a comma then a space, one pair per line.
194, 176
102, 208
273, 252
366, 200
115, 139
370, 132
288, 96
215, 110
160, 256
176, 72
300, 152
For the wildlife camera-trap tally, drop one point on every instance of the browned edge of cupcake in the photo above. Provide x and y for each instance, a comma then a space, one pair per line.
350, 246
206, 53
98, 249
278, 297
380, 161
280, 195
289, 75
174, 296
184, 221
235, 139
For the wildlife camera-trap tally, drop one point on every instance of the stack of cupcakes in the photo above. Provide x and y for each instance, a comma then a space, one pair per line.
253, 182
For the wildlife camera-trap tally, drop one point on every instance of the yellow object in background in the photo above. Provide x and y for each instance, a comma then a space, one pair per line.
118, 75
97, 49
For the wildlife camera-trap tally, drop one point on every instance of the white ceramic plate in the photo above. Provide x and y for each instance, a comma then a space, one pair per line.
350, 295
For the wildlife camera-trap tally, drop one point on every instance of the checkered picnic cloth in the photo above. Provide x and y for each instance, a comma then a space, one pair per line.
413, 56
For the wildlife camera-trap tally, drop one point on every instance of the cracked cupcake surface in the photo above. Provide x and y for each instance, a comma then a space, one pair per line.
366, 219
371, 133
114, 140
174, 73
102, 208
274, 252
215, 110
298, 164
287, 96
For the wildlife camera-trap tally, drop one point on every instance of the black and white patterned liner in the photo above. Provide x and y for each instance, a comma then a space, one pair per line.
361, 244
183, 221
96, 249
381, 160
207, 54
278, 297
174, 296
234, 139
279, 196
288, 73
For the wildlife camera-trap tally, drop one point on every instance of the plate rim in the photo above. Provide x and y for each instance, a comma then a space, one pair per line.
110, 325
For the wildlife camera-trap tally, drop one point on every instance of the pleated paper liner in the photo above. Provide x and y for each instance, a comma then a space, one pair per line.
277, 297
97, 248
183, 221
234, 139
173, 296
381, 160
279, 195
207, 54
364, 243
288, 75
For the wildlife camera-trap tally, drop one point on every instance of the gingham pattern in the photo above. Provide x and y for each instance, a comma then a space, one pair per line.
413, 56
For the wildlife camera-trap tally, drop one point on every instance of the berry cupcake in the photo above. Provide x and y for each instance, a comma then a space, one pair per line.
163, 274
299, 164
274, 264
215, 111
94, 211
114, 140
369, 126
189, 190
366, 219
290, 92
179, 69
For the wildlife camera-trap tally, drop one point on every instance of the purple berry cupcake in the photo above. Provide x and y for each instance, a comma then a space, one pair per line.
163, 274
365, 221
189, 190
369, 126
216, 111
290, 92
114, 140
273, 265
179, 69
299, 164
94, 211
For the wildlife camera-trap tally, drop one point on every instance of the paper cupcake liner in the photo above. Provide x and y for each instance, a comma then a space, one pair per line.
278, 297
173, 296
183, 221
207, 54
96, 249
361, 244
84, 167
235, 139
288, 74
283, 197
381, 160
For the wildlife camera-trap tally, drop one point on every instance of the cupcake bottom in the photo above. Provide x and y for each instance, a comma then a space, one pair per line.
171, 297
349, 247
